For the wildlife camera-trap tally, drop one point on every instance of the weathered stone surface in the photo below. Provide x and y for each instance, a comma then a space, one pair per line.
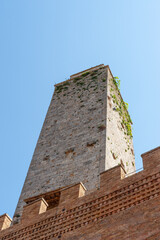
81, 137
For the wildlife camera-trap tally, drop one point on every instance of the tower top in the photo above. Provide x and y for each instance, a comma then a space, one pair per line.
88, 70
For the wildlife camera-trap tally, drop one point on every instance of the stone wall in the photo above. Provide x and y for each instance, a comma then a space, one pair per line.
119, 144
74, 145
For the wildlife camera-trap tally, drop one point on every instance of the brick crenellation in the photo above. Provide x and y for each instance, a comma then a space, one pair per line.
78, 216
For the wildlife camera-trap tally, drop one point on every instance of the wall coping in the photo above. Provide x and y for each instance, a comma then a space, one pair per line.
37, 200
78, 74
119, 165
89, 69
6, 215
151, 151
74, 185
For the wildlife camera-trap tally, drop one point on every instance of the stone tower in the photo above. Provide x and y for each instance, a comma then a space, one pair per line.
87, 139
87, 130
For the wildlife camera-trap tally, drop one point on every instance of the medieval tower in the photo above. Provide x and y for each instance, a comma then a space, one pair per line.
83, 169
84, 134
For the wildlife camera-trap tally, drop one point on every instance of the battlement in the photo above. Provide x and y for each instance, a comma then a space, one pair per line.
77, 213
5, 221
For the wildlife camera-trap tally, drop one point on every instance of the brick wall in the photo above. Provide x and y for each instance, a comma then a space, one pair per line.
125, 208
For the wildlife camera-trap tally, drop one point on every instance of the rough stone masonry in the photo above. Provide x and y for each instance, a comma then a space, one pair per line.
87, 130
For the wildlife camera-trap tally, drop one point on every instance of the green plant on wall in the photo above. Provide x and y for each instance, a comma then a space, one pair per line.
122, 109
62, 87
85, 74
126, 105
117, 82
91, 85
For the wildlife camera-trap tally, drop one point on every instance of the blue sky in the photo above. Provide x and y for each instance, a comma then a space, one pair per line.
44, 42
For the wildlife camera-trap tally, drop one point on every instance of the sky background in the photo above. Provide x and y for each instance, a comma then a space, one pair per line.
44, 42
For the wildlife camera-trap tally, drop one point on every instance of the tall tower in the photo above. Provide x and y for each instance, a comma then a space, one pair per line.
87, 130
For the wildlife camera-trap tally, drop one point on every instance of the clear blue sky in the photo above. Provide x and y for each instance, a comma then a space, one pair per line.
44, 42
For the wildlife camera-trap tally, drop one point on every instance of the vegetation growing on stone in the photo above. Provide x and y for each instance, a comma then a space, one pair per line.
85, 74
122, 109
80, 83
62, 87
94, 77
92, 84
94, 73
117, 82
76, 79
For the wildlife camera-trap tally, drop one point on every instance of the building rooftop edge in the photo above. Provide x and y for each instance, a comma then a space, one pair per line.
155, 149
110, 169
5, 214
41, 198
89, 69
86, 70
